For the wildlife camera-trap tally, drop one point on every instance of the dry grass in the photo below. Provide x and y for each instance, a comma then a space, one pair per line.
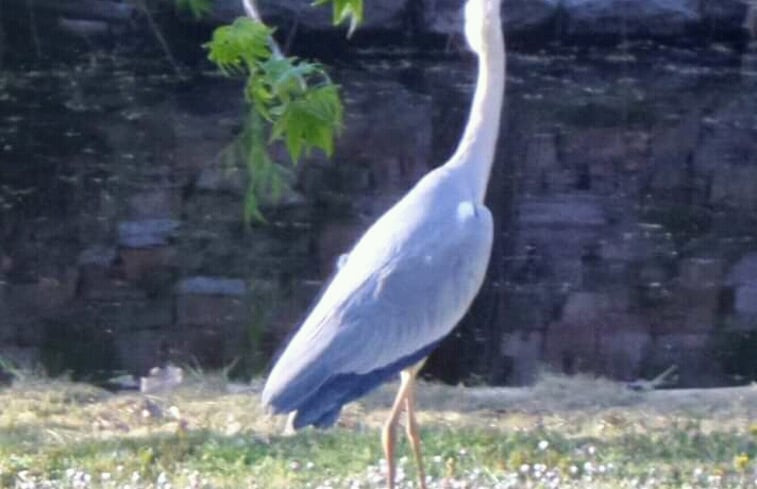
560, 399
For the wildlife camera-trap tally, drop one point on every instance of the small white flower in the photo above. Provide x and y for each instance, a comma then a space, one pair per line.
162, 479
174, 412
713, 479
543, 445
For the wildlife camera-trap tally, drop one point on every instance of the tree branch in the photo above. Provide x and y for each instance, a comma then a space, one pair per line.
252, 12
159, 36
33, 28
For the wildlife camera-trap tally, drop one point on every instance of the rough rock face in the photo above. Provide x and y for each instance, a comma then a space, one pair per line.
160, 260
82, 19
743, 278
385, 15
660, 19
573, 18
541, 21
724, 14
655, 18
581, 19
446, 16
92, 10
584, 225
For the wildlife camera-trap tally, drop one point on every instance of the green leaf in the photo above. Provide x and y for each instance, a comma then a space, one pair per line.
310, 121
343, 10
240, 46
285, 76
198, 8
252, 208
259, 95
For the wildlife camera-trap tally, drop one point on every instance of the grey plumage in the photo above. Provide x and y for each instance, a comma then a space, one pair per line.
408, 280
391, 297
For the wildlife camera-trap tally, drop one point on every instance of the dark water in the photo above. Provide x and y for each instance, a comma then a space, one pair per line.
625, 195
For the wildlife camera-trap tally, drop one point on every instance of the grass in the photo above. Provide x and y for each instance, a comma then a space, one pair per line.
564, 432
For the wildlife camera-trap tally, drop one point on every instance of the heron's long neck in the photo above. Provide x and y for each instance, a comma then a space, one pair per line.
475, 152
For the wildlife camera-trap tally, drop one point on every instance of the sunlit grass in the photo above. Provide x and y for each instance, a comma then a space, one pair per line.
581, 432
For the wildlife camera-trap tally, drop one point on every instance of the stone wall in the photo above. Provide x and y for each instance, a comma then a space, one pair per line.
537, 22
633, 237
565, 19
624, 197
150, 258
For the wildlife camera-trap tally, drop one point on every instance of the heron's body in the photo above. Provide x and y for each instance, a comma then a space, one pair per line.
409, 279
390, 303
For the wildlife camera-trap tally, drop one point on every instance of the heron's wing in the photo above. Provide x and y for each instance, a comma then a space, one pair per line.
415, 298
385, 304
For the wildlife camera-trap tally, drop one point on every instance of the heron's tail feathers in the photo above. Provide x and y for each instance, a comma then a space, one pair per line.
321, 407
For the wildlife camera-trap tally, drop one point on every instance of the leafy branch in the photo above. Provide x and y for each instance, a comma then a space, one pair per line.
297, 99
290, 100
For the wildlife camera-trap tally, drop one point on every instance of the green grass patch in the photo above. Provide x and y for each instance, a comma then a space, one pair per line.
57, 434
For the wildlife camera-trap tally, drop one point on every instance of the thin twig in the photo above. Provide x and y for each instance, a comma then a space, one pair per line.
159, 36
33, 28
254, 13
661, 380
292, 34
2, 36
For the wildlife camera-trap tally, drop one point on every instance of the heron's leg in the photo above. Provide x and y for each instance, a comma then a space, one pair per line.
389, 432
413, 433
289, 428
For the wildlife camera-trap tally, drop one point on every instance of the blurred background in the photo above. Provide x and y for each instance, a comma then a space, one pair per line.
624, 191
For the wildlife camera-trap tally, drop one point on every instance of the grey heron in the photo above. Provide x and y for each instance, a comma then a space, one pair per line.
409, 279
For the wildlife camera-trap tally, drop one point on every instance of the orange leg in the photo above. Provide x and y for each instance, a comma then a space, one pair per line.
405, 398
389, 432
413, 433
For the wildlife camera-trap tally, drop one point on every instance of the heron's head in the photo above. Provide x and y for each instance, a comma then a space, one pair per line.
482, 19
